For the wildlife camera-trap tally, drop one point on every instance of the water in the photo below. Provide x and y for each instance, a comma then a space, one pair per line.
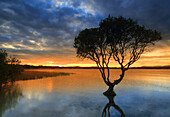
142, 93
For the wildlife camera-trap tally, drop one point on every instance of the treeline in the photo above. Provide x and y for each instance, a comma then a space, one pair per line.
78, 67
9, 67
151, 67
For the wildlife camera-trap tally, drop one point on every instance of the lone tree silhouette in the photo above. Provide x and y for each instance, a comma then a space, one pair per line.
118, 38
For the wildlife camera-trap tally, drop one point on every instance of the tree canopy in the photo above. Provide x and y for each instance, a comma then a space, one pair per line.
122, 39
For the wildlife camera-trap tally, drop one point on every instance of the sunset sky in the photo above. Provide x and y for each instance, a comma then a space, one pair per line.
42, 32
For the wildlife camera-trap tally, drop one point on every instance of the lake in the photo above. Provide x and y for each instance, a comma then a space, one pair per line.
142, 93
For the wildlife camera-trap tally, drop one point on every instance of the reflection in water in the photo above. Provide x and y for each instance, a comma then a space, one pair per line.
9, 95
79, 95
111, 104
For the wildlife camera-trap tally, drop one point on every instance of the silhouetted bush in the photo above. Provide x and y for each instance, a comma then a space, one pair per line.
9, 67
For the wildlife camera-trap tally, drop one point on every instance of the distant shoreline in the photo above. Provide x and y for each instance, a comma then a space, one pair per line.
77, 67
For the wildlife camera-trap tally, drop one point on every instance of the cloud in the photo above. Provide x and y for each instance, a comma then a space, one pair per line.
151, 13
38, 25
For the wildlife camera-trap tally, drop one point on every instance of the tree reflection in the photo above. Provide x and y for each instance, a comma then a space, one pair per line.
9, 96
106, 110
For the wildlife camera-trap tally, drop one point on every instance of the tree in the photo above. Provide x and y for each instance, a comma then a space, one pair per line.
9, 67
121, 39
3, 56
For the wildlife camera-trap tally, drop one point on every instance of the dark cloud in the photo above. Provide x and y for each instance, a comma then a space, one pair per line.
34, 20
151, 13
30, 26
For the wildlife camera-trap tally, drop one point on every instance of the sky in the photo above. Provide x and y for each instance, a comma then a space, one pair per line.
42, 32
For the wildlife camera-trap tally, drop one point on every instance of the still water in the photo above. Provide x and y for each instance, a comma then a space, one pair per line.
142, 93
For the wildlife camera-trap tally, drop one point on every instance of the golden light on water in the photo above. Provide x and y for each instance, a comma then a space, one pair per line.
50, 85
84, 80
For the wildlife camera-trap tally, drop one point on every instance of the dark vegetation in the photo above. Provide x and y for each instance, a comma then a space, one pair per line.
9, 67
78, 67
119, 39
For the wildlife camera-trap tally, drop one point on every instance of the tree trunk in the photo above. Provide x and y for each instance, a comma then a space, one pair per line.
116, 82
110, 91
111, 87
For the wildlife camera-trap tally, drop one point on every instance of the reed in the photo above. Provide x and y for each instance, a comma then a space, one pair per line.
31, 75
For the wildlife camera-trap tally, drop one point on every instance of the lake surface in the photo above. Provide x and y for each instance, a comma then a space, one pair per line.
142, 93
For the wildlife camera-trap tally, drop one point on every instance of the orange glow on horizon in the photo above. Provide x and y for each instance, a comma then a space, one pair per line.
157, 57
